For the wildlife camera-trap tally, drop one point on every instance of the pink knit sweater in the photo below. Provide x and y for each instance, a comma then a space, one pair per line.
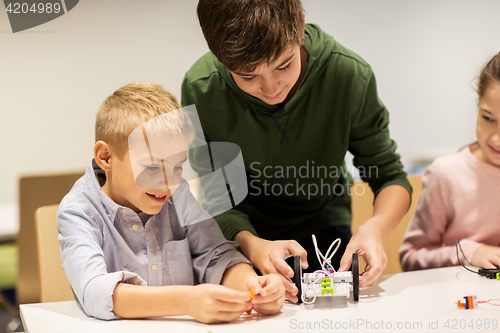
460, 199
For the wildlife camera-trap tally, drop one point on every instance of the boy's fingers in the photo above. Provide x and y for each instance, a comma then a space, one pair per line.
235, 307
289, 285
297, 250
270, 297
226, 316
229, 295
370, 276
254, 284
270, 307
268, 267
271, 301
282, 267
345, 262
291, 297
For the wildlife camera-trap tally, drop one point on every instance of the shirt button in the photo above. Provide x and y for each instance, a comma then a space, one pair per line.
135, 227
124, 210
154, 267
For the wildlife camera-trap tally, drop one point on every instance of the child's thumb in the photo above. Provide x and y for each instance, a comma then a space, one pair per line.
345, 264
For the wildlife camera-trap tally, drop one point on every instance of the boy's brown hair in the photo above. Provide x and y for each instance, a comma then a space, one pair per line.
132, 105
244, 34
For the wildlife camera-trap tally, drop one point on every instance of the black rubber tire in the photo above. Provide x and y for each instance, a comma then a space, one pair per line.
297, 276
355, 277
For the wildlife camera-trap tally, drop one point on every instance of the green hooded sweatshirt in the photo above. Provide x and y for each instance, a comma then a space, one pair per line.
294, 153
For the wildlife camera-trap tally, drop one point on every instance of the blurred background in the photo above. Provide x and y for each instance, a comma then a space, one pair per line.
426, 56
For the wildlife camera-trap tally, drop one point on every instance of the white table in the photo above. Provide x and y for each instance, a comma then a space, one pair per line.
422, 301
9, 221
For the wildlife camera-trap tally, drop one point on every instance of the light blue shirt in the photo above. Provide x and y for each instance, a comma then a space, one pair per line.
103, 243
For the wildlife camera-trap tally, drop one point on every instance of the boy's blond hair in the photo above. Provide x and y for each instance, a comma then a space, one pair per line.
134, 104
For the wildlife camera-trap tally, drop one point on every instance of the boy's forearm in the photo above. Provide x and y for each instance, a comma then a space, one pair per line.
133, 301
235, 277
389, 208
245, 239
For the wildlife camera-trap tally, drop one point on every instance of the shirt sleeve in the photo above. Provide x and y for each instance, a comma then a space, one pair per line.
371, 145
230, 220
422, 246
82, 257
211, 252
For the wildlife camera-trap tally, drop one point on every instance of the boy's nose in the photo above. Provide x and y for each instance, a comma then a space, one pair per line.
270, 88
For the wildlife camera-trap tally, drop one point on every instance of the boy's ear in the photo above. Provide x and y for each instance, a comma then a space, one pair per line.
102, 154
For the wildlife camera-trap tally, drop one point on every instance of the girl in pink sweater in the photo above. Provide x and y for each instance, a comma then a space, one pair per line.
460, 197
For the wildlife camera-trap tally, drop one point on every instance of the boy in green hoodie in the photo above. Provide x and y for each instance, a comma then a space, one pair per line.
295, 101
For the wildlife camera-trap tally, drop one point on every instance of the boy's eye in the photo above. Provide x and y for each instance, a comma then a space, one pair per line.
152, 168
178, 169
488, 119
247, 78
282, 69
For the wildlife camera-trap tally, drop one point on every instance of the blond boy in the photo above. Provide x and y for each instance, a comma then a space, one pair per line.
128, 251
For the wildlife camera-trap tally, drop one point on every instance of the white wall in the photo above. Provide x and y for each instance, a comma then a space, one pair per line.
53, 77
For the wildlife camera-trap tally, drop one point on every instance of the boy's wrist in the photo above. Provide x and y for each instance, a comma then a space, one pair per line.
235, 277
248, 243
389, 208
190, 302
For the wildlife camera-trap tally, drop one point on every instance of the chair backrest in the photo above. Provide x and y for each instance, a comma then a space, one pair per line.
36, 191
362, 210
54, 284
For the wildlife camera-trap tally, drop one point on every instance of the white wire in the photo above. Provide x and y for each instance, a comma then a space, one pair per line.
326, 260
329, 258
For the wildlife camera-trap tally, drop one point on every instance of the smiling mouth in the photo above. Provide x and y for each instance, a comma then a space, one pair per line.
275, 96
495, 151
157, 197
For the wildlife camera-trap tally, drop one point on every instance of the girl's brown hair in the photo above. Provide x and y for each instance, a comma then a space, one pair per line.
489, 75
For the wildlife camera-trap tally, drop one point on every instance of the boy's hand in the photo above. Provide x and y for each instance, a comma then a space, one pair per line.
367, 243
272, 293
269, 258
212, 303
486, 256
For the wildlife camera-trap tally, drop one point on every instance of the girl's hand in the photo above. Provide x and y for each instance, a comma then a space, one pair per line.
212, 303
486, 256
272, 293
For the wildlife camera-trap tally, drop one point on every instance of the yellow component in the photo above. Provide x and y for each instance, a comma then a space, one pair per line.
325, 290
325, 282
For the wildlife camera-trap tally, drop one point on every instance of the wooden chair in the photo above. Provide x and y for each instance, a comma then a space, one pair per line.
362, 210
8, 273
36, 191
54, 284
